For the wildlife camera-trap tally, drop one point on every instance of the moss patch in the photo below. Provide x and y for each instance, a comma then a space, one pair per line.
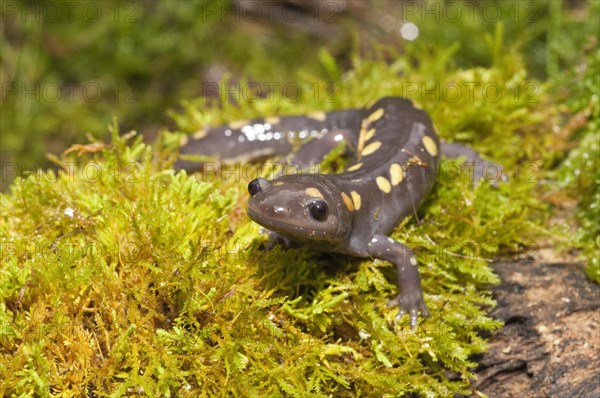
122, 277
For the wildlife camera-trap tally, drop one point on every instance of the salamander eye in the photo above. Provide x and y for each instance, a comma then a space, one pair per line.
254, 187
318, 209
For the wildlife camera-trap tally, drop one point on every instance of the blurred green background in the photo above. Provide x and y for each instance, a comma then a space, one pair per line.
68, 68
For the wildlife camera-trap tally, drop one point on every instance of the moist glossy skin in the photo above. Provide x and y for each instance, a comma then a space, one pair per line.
284, 206
396, 154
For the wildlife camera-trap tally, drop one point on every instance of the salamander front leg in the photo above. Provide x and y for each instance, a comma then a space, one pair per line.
277, 239
410, 299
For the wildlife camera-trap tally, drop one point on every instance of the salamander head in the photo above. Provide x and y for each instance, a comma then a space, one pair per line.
305, 208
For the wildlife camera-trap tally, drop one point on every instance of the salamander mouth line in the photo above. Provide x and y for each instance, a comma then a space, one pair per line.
288, 227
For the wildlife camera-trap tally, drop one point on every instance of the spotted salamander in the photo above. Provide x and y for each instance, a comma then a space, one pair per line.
396, 152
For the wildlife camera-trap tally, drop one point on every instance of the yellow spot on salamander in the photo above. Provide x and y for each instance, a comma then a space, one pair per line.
369, 134
383, 184
430, 145
416, 105
413, 261
375, 115
361, 135
272, 120
356, 199
238, 124
278, 183
372, 147
184, 140
347, 201
396, 174
355, 167
317, 115
313, 192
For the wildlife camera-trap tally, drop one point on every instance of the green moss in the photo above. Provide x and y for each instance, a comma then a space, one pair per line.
122, 277
68, 68
578, 173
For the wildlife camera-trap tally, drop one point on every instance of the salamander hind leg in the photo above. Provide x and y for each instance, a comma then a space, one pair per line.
410, 299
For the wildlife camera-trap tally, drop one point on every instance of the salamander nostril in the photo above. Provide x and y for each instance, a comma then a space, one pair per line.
254, 187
